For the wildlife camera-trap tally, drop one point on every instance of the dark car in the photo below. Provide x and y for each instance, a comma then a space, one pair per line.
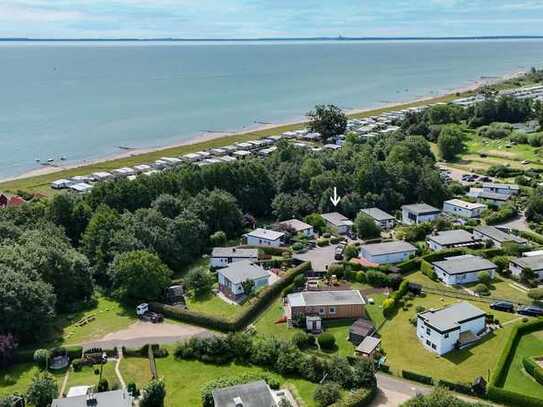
503, 306
339, 252
530, 311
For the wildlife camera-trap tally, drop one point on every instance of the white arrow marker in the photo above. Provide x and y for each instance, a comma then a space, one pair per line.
335, 199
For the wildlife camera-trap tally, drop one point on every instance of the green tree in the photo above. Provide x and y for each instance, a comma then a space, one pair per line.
200, 281
139, 275
218, 239
42, 390
27, 304
328, 120
289, 206
248, 286
365, 227
450, 142
351, 251
153, 394
317, 221
484, 277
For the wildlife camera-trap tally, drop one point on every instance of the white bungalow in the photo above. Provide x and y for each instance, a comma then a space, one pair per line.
419, 213
231, 278
463, 269
264, 237
463, 209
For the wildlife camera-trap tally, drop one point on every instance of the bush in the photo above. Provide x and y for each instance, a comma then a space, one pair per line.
153, 394
217, 239
303, 340
484, 277
41, 357
507, 397
323, 242
327, 341
42, 390
76, 365
536, 294
406, 374
481, 289
377, 278
298, 246
389, 306
428, 270
327, 394
533, 368
359, 398
133, 389
103, 385
457, 387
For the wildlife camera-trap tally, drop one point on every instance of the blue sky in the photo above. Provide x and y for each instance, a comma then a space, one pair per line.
268, 18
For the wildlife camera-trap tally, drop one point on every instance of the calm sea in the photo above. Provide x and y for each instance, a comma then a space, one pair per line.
84, 100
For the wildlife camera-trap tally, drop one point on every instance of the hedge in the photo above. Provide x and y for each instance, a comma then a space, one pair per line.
359, 398
406, 374
74, 352
507, 397
264, 298
27, 355
533, 368
427, 269
409, 265
533, 236
457, 387
500, 370
274, 251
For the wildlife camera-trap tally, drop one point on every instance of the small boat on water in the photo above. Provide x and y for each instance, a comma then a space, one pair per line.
62, 158
38, 160
50, 160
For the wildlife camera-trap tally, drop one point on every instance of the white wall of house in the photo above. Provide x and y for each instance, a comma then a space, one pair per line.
462, 212
385, 224
411, 218
451, 279
238, 288
217, 262
391, 258
434, 245
254, 241
308, 232
435, 341
516, 271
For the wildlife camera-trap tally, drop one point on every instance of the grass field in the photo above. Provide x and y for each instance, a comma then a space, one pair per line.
135, 369
517, 379
87, 376
184, 380
41, 183
21, 375
266, 326
213, 305
405, 352
109, 316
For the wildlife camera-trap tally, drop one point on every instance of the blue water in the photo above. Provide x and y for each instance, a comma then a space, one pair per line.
83, 100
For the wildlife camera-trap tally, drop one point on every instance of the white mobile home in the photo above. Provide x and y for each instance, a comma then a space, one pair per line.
534, 263
223, 256
264, 237
232, 277
388, 252
382, 219
506, 189
496, 236
419, 213
463, 269
297, 226
463, 209
338, 223
448, 239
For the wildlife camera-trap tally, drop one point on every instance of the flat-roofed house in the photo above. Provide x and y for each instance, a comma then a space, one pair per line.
382, 219
534, 263
387, 252
114, 398
253, 394
223, 256
506, 189
448, 239
496, 236
338, 223
61, 183
264, 237
419, 213
463, 209
492, 198
455, 326
463, 269
232, 277
297, 226
335, 304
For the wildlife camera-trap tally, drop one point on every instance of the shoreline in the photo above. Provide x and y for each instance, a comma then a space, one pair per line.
140, 154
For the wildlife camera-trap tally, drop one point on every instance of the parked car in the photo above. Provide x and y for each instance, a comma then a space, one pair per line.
339, 252
504, 306
530, 311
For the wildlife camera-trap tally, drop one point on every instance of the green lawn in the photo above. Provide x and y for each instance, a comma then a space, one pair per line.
517, 379
135, 369
21, 374
184, 380
266, 326
405, 352
375, 310
87, 376
109, 316
213, 305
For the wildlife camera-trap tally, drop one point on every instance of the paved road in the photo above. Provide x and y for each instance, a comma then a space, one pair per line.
394, 391
320, 257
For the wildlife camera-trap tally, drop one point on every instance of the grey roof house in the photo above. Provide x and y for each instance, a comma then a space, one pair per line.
231, 278
534, 263
419, 213
388, 252
382, 219
447, 239
462, 269
497, 236
339, 223
115, 398
254, 394
222, 256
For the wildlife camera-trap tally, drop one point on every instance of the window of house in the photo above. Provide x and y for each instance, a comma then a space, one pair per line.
428, 342
321, 311
332, 310
428, 331
433, 345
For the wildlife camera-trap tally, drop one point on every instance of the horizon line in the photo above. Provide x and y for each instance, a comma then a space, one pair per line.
316, 38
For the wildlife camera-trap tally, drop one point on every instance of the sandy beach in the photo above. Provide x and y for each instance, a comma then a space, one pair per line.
135, 152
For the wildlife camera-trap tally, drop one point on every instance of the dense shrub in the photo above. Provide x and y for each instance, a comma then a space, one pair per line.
389, 306
41, 357
327, 341
377, 278
303, 340
358, 398
428, 270
327, 394
513, 399
533, 368
505, 213
481, 289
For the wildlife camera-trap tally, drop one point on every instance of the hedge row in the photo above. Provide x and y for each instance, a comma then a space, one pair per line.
409, 265
406, 374
273, 251
508, 352
457, 387
27, 355
359, 398
510, 398
427, 269
264, 298
533, 236
533, 368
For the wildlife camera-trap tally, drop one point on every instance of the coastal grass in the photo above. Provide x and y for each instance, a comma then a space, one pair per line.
517, 379
41, 183
405, 352
185, 378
